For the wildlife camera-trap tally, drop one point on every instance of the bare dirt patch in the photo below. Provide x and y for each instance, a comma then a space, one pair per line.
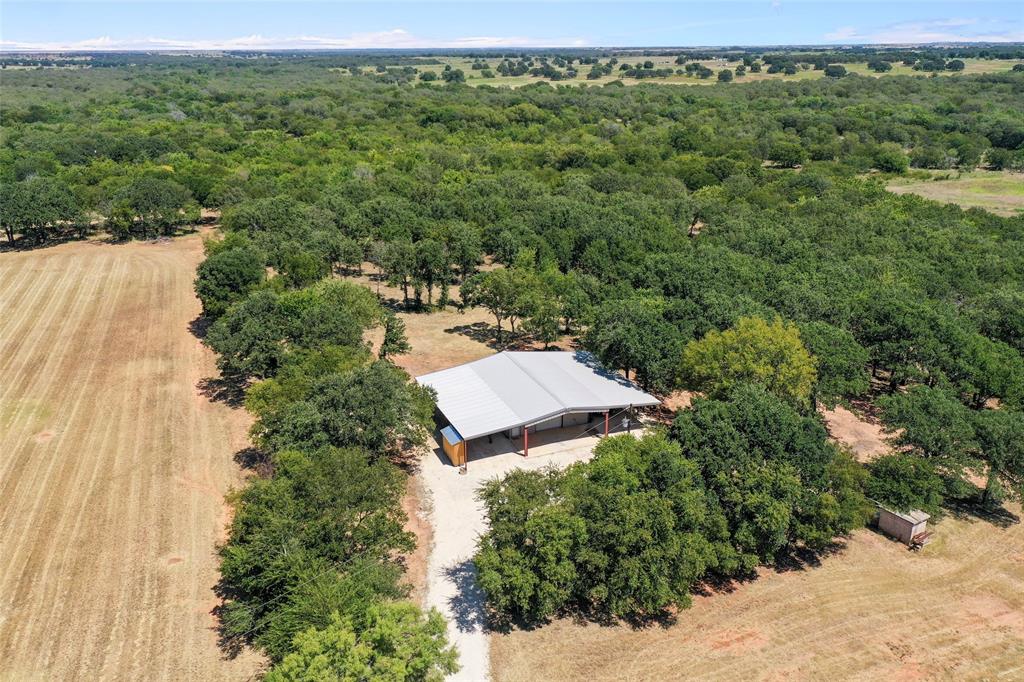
872, 611
113, 467
416, 505
865, 436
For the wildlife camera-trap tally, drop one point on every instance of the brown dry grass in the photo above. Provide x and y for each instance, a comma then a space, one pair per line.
873, 611
113, 470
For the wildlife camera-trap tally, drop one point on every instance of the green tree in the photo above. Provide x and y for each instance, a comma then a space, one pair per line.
632, 335
506, 292
374, 406
431, 266
398, 260
543, 320
398, 643
301, 268
155, 202
327, 510
1000, 435
904, 482
934, 425
395, 341
37, 206
889, 158
785, 153
453, 76
226, 277
725, 75
769, 353
841, 362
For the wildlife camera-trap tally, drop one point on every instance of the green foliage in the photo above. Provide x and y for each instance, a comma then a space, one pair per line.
904, 482
773, 469
935, 426
769, 353
631, 532
373, 406
1000, 435
254, 337
394, 341
508, 293
37, 208
841, 362
226, 277
329, 511
625, 534
150, 201
398, 643
633, 335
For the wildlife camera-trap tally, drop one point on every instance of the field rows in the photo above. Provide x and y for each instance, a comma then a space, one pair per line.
113, 468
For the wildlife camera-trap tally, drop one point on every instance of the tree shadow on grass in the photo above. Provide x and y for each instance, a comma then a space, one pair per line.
199, 326
255, 460
973, 508
486, 333
800, 558
228, 390
230, 642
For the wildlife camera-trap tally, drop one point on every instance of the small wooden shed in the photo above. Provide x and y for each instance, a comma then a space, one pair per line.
904, 526
454, 446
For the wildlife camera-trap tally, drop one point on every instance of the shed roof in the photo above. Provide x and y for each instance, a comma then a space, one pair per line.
513, 389
913, 516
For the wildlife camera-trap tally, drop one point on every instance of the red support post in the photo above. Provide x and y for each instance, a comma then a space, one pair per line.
606, 423
526, 441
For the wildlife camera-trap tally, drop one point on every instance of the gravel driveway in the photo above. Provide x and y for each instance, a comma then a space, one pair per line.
458, 520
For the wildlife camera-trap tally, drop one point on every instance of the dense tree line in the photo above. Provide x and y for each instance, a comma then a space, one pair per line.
739, 481
734, 241
311, 564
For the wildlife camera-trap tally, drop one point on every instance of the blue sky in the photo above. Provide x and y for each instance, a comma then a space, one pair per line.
244, 24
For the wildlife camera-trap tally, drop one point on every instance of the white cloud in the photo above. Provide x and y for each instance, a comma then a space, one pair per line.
395, 38
955, 30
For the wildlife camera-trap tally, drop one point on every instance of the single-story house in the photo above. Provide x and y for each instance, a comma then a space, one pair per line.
518, 393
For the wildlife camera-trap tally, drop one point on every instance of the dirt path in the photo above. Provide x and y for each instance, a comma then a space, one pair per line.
113, 467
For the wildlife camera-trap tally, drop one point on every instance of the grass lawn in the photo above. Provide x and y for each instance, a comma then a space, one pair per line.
1000, 192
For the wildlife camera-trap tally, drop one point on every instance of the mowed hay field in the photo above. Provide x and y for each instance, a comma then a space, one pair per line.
113, 467
874, 611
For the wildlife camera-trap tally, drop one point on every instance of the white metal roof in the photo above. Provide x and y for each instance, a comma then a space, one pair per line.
513, 389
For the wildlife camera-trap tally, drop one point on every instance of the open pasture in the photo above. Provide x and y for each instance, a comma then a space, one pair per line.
1001, 192
114, 468
474, 77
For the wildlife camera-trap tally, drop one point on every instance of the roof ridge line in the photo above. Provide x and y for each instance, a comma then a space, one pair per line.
534, 379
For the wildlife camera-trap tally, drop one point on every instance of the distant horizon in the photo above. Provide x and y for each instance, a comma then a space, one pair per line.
246, 25
528, 48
